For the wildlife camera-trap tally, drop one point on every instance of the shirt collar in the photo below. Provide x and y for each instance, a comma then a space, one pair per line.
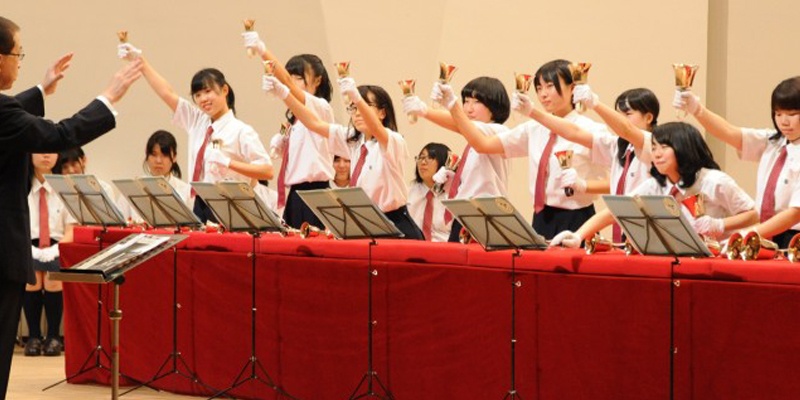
38, 185
220, 123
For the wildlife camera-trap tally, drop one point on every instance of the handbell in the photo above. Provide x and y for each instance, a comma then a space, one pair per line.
758, 248
122, 36
248, 27
598, 244
269, 67
580, 76
565, 161
793, 252
343, 69
307, 230
523, 82
465, 237
735, 246
408, 88
684, 78
446, 72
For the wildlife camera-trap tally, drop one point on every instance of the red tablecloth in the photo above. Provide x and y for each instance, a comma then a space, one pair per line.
588, 327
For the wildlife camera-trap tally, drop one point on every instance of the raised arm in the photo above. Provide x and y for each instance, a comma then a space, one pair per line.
566, 129
272, 86
480, 142
621, 125
157, 82
252, 41
413, 105
713, 123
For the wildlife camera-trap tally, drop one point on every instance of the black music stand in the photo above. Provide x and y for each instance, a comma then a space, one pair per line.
110, 266
238, 209
89, 205
350, 214
157, 202
496, 225
657, 225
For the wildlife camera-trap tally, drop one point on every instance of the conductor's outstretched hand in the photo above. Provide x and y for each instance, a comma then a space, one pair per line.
123, 80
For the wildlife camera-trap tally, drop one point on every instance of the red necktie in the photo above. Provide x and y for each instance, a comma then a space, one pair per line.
676, 193
768, 200
427, 221
282, 175
454, 185
201, 155
542, 174
44, 220
620, 191
359, 165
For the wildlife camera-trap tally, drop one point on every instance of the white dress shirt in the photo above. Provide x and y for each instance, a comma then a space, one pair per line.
756, 146
239, 141
417, 199
58, 216
382, 174
484, 174
604, 152
269, 196
310, 157
529, 140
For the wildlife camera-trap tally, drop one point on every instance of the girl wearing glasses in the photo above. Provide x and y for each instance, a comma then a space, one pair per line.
425, 196
379, 152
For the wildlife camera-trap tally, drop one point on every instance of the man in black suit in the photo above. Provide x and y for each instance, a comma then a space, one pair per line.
24, 131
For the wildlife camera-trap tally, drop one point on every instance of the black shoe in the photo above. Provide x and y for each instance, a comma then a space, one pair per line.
33, 347
52, 347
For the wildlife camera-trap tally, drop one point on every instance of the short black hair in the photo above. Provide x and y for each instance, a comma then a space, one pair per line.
691, 151
167, 145
68, 156
438, 152
550, 71
208, 78
299, 64
786, 96
7, 30
383, 102
492, 94
642, 100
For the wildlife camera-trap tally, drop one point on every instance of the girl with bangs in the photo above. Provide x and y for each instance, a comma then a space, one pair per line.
221, 147
377, 152
628, 155
777, 151
485, 107
683, 166
425, 195
307, 158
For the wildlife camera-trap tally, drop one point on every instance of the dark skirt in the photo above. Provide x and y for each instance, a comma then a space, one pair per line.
202, 211
552, 220
455, 232
296, 211
783, 239
403, 221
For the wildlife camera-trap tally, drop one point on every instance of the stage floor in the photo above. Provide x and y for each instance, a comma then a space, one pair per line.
30, 374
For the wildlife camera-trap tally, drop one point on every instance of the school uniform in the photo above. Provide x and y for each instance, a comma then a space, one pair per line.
183, 189
554, 211
57, 220
722, 196
478, 175
426, 208
236, 139
379, 170
307, 165
778, 175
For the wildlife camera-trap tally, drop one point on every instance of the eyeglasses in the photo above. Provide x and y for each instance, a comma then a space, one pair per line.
422, 159
20, 55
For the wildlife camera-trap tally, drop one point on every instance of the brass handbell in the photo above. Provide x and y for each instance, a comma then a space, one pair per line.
759, 248
599, 244
249, 24
684, 78
735, 247
465, 237
580, 76
408, 88
307, 230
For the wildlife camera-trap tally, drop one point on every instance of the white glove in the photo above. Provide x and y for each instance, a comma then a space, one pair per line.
443, 94
348, 88
583, 94
36, 253
412, 105
566, 239
272, 86
49, 253
443, 175
569, 179
276, 145
686, 101
521, 103
252, 41
216, 156
127, 51
709, 226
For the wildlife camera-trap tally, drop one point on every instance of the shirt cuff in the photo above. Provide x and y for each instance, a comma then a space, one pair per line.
108, 104
41, 88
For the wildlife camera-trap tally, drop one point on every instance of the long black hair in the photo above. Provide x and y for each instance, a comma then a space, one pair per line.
438, 152
382, 101
786, 96
7, 30
209, 78
641, 100
492, 94
550, 71
691, 151
302, 63
167, 145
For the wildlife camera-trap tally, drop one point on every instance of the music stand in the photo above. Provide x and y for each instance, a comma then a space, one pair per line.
497, 225
157, 202
89, 205
656, 225
238, 209
111, 265
350, 214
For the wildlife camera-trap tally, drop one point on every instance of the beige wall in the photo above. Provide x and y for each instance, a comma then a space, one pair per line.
631, 45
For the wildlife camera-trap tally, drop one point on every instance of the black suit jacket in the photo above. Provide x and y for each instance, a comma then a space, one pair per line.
24, 131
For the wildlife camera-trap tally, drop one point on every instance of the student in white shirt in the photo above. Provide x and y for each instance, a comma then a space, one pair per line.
424, 200
485, 104
380, 151
307, 157
628, 156
683, 167
554, 211
777, 151
268, 195
228, 148
342, 177
161, 159
46, 235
